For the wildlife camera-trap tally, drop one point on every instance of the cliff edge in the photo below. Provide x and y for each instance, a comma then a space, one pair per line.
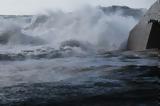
146, 34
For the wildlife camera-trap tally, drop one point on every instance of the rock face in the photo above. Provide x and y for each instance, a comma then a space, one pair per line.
146, 34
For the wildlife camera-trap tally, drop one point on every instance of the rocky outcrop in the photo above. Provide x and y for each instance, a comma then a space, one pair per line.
146, 34
124, 11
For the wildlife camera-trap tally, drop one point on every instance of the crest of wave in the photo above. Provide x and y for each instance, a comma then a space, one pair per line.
90, 24
89, 27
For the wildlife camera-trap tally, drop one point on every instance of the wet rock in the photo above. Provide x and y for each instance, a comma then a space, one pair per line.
145, 35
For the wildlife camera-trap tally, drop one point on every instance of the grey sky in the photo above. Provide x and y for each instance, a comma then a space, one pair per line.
33, 6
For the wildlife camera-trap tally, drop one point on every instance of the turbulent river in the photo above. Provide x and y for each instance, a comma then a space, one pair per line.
75, 59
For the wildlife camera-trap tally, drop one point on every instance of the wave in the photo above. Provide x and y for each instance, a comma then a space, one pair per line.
92, 26
13, 36
65, 50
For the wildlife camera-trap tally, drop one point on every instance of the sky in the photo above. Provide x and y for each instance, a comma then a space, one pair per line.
9, 7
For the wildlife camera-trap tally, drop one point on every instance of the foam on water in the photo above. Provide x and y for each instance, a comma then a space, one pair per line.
90, 25
57, 58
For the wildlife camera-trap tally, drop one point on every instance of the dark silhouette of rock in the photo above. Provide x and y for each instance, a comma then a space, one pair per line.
146, 34
154, 37
124, 10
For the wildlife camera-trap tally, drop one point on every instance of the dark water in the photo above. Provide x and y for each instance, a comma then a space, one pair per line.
104, 79
58, 59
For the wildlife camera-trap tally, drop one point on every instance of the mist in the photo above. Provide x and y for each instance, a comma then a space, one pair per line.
89, 26
22, 7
